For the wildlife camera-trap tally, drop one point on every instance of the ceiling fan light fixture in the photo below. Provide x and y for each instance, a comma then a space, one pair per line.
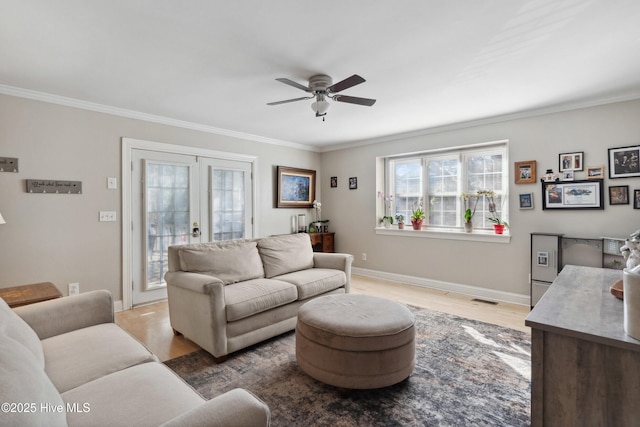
320, 106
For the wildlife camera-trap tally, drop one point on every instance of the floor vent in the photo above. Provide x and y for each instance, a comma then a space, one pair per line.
484, 301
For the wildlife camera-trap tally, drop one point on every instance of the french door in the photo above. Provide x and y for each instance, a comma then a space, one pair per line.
171, 195
166, 206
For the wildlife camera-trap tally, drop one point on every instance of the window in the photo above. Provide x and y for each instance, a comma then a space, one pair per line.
438, 178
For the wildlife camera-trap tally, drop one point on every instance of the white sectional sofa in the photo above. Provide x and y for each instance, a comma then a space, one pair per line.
226, 296
65, 362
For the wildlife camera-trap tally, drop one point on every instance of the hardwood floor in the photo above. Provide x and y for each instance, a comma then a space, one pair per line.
150, 323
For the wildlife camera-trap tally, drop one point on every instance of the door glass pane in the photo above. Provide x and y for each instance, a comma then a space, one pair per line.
228, 204
167, 216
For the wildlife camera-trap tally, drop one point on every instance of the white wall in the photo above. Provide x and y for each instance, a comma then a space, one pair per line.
58, 238
500, 267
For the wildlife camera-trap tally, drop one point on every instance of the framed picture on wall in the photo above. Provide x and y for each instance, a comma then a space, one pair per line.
583, 194
619, 195
353, 183
636, 199
624, 162
525, 172
296, 187
595, 172
334, 181
571, 161
526, 201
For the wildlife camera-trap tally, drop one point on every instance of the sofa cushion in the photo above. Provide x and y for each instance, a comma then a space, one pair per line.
231, 262
83, 355
315, 281
13, 326
247, 298
24, 382
143, 395
285, 254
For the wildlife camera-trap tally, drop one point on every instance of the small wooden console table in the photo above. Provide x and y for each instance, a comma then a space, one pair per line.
322, 242
584, 368
29, 294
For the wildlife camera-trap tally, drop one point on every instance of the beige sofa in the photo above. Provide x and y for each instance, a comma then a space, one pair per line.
65, 362
229, 295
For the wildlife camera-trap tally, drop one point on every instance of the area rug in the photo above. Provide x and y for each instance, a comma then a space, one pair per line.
467, 373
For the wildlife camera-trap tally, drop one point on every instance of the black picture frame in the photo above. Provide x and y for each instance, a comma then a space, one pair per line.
353, 183
624, 162
296, 187
618, 195
636, 199
334, 181
571, 161
581, 194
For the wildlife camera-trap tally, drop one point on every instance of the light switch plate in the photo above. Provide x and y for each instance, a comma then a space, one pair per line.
107, 216
112, 183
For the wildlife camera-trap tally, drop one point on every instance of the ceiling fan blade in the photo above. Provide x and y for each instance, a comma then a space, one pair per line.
294, 84
346, 84
289, 100
355, 100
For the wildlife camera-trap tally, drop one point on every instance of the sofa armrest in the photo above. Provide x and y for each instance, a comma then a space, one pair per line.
195, 282
194, 297
335, 261
235, 408
61, 315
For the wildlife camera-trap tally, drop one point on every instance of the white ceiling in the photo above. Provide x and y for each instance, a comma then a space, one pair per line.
429, 63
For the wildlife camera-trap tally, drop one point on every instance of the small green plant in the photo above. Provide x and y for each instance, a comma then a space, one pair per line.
417, 213
498, 221
400, 219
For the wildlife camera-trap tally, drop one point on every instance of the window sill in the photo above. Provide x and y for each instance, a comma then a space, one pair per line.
447, 234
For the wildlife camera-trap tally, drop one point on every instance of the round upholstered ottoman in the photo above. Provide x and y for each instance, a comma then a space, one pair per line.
355, 341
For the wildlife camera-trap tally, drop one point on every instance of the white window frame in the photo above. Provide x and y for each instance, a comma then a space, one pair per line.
386, 176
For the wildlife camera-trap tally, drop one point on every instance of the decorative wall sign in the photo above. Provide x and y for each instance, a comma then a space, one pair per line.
53, 187
624, 162
584, 194
296, 187
525, 172
8, 164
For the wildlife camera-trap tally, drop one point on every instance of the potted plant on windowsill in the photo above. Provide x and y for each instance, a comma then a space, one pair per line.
498, 223
400, 219
387, 219
417, 216
470, 205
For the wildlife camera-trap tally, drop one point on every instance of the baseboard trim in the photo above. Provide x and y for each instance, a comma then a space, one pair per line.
473, 291
117, 306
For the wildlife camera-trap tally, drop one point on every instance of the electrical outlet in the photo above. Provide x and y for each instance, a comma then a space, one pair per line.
107, 216
74, 288
364, 256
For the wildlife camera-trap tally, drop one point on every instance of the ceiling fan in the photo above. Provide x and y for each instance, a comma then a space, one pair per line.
321, 87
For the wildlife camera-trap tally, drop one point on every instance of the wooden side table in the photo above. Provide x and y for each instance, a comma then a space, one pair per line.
29, 294
322, 242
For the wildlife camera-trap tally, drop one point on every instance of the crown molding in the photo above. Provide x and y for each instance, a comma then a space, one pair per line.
130, 114
560, 108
